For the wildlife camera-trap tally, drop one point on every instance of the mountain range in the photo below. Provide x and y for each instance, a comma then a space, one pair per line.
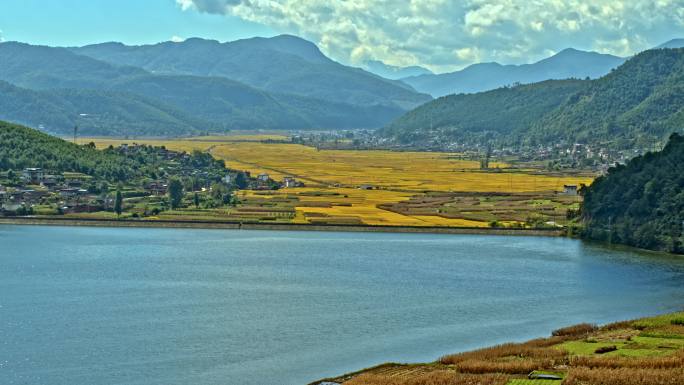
393, 72
566, 64
284, 82
194, 86
569, 63
640, 101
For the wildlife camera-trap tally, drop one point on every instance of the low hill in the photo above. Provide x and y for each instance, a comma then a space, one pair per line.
95, 113
642, 203
569, 63
477, 118
640, 101
281, 64
25, 147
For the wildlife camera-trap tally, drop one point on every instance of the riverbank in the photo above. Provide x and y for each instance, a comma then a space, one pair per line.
62, 221
647, 351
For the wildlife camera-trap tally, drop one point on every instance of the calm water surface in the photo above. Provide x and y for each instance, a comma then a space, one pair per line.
156, 306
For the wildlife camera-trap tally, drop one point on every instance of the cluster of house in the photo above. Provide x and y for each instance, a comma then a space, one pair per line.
264, 181
37, 186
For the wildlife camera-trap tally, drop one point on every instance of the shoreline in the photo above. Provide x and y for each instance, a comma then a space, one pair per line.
617, 336
233, 225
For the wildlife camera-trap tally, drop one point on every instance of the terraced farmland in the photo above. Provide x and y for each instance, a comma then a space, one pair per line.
383, 187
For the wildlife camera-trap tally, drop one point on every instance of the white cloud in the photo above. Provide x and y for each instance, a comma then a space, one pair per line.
447, 34
177, 39
2, 39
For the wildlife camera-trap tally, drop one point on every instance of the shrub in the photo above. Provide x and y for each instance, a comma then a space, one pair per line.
575, 330
605, 349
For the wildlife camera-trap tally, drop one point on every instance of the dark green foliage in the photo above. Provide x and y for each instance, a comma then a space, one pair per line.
22, 147
640, 102
642, 203
505, 113
241, 180
118, 203
642, 98
175, 193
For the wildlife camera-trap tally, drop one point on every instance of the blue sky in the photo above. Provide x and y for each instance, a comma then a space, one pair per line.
442, 35
80, 22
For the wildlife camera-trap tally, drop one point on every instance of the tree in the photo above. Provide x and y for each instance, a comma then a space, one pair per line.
196, 200
118, 203
241, 180
175, 193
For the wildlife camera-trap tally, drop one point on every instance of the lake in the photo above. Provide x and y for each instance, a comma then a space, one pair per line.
89, 306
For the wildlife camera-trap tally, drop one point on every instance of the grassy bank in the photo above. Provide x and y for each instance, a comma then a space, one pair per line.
198, 224
647, 351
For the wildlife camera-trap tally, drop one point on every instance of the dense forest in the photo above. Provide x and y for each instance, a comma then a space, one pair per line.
24, 147
639, 102
642, 203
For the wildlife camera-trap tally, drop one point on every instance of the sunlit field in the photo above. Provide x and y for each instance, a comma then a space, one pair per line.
363, 187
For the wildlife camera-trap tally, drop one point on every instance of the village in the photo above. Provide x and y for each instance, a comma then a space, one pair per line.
37, 191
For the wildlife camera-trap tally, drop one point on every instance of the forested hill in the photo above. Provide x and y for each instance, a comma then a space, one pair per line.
642, 203
22, 147
476, 118
640, 101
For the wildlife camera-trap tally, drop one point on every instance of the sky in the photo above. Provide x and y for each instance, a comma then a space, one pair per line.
442, 35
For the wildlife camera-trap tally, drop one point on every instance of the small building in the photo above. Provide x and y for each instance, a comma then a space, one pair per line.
157, 188
32, 175
227, 179
289, 182
365, 187
263, 177
570, 189
72, 192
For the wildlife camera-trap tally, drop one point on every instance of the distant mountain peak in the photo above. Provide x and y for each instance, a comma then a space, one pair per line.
394, 72
674, 43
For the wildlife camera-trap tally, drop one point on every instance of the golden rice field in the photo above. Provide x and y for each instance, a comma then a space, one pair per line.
340, 174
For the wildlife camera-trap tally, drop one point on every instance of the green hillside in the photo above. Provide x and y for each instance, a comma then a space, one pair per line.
642, 203
642, 98
55, 86
502, 113
281, 64
639, 102
25, 147
94, 112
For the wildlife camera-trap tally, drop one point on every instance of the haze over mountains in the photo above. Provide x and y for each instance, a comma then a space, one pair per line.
640, 101
569, 63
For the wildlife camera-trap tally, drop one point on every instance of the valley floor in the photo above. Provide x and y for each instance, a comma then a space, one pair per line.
378, 188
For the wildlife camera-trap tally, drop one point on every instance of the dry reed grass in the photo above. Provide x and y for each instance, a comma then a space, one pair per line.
624, 376
439, 377
575, 330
